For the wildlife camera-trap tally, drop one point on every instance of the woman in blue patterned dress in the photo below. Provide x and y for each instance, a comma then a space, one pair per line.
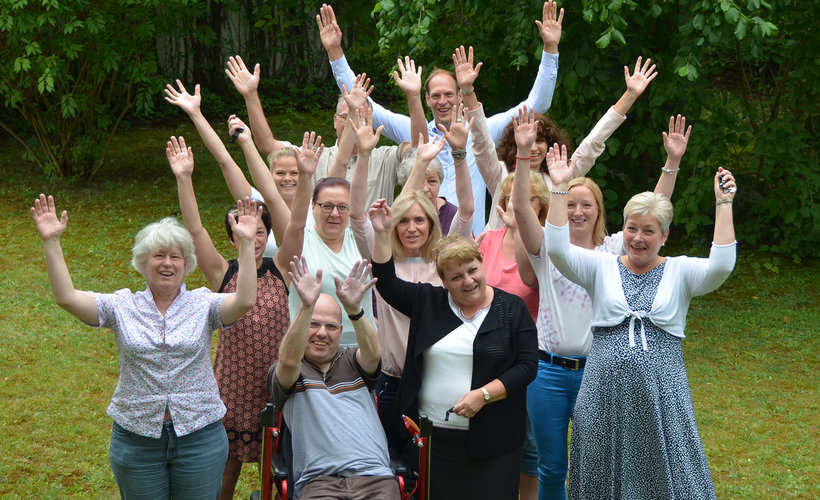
634, 432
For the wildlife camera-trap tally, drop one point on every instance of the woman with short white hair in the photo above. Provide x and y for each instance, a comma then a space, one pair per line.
167, 438
634, 433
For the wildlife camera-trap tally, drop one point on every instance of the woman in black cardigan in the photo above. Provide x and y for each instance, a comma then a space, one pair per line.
471, 352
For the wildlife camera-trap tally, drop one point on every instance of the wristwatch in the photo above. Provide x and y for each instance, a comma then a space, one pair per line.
486, 395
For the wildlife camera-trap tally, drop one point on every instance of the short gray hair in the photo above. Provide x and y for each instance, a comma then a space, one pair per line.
406, 165
165, 234
649, 203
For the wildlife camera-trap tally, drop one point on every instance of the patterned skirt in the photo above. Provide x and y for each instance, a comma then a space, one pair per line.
634, 434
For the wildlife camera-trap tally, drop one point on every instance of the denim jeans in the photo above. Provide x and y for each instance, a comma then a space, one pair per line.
550, 403
187, 467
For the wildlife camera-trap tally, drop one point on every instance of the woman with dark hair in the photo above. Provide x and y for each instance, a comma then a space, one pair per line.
167, 438
246, 349
494, 167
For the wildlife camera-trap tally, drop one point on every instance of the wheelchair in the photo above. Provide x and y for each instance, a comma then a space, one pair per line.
274, 466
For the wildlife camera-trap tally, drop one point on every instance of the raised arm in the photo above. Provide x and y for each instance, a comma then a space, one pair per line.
540, 96
294, 238
529, 228
247, 84
234, 178
456, 136
262, 178
561, 172
674, 143
397, 126
366, 140
724, 196
381, 216
466, 75
425, 153
244, 229
181, 160
350, 294
295, 341
355, 99
595, 142
409, 80
81, 304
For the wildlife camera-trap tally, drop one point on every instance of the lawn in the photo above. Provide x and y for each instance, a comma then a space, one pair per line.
752, 347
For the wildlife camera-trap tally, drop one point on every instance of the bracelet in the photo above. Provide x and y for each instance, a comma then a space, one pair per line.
468, 92
459, 154
559, 192
354, 317
460, 162
669, 171
722, 201
523, 157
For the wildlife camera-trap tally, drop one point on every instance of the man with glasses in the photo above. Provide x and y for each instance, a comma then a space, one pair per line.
323, 390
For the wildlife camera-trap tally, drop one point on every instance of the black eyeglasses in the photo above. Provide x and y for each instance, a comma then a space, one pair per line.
328, 207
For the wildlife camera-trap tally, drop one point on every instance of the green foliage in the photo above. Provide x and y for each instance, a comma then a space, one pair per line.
744, 73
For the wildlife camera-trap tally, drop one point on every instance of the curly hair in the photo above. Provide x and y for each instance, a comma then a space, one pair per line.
547, 131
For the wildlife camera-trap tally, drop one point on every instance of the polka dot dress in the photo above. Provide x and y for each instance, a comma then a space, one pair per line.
244, 353
634, 434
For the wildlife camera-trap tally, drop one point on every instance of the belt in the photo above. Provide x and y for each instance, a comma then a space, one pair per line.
568, 363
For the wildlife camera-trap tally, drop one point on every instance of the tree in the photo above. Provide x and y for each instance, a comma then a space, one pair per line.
73, 71
744, 73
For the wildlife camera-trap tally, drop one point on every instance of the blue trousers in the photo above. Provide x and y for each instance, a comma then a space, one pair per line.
550, 403
188, 467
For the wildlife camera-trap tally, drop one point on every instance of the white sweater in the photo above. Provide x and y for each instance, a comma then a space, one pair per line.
683, 278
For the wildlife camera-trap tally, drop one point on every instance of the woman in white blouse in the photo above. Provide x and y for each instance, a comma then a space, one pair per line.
167, 438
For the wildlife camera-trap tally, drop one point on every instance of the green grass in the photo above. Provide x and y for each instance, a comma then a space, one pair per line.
752, 346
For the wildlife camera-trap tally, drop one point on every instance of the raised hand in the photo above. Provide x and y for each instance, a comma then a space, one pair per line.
179, 157
381, 216
426, 151
237, 125
410, 78
306, 286
247, 220
363, 126
329, 30
639, 80
507, 215
459, 127
526, 128
561, 171
187, 102
351, 291
550, 26
678, 137
466, 73
357, 97
44, 214
246, 83
725, 192
308, 156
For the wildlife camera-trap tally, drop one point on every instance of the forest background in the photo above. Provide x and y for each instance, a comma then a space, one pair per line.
81, 81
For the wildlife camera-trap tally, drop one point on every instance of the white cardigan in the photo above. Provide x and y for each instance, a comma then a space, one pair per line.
683, 278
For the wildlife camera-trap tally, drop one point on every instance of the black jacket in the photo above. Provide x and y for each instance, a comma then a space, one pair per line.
506, 348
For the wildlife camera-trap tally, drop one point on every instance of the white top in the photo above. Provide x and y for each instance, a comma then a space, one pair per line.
683, 278
493, 170
448, 371
564, 308
320, 256
397, 127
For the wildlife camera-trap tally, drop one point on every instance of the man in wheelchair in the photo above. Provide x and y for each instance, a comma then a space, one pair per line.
324, 392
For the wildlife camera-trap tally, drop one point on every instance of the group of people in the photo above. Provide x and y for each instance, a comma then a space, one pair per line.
499, 331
